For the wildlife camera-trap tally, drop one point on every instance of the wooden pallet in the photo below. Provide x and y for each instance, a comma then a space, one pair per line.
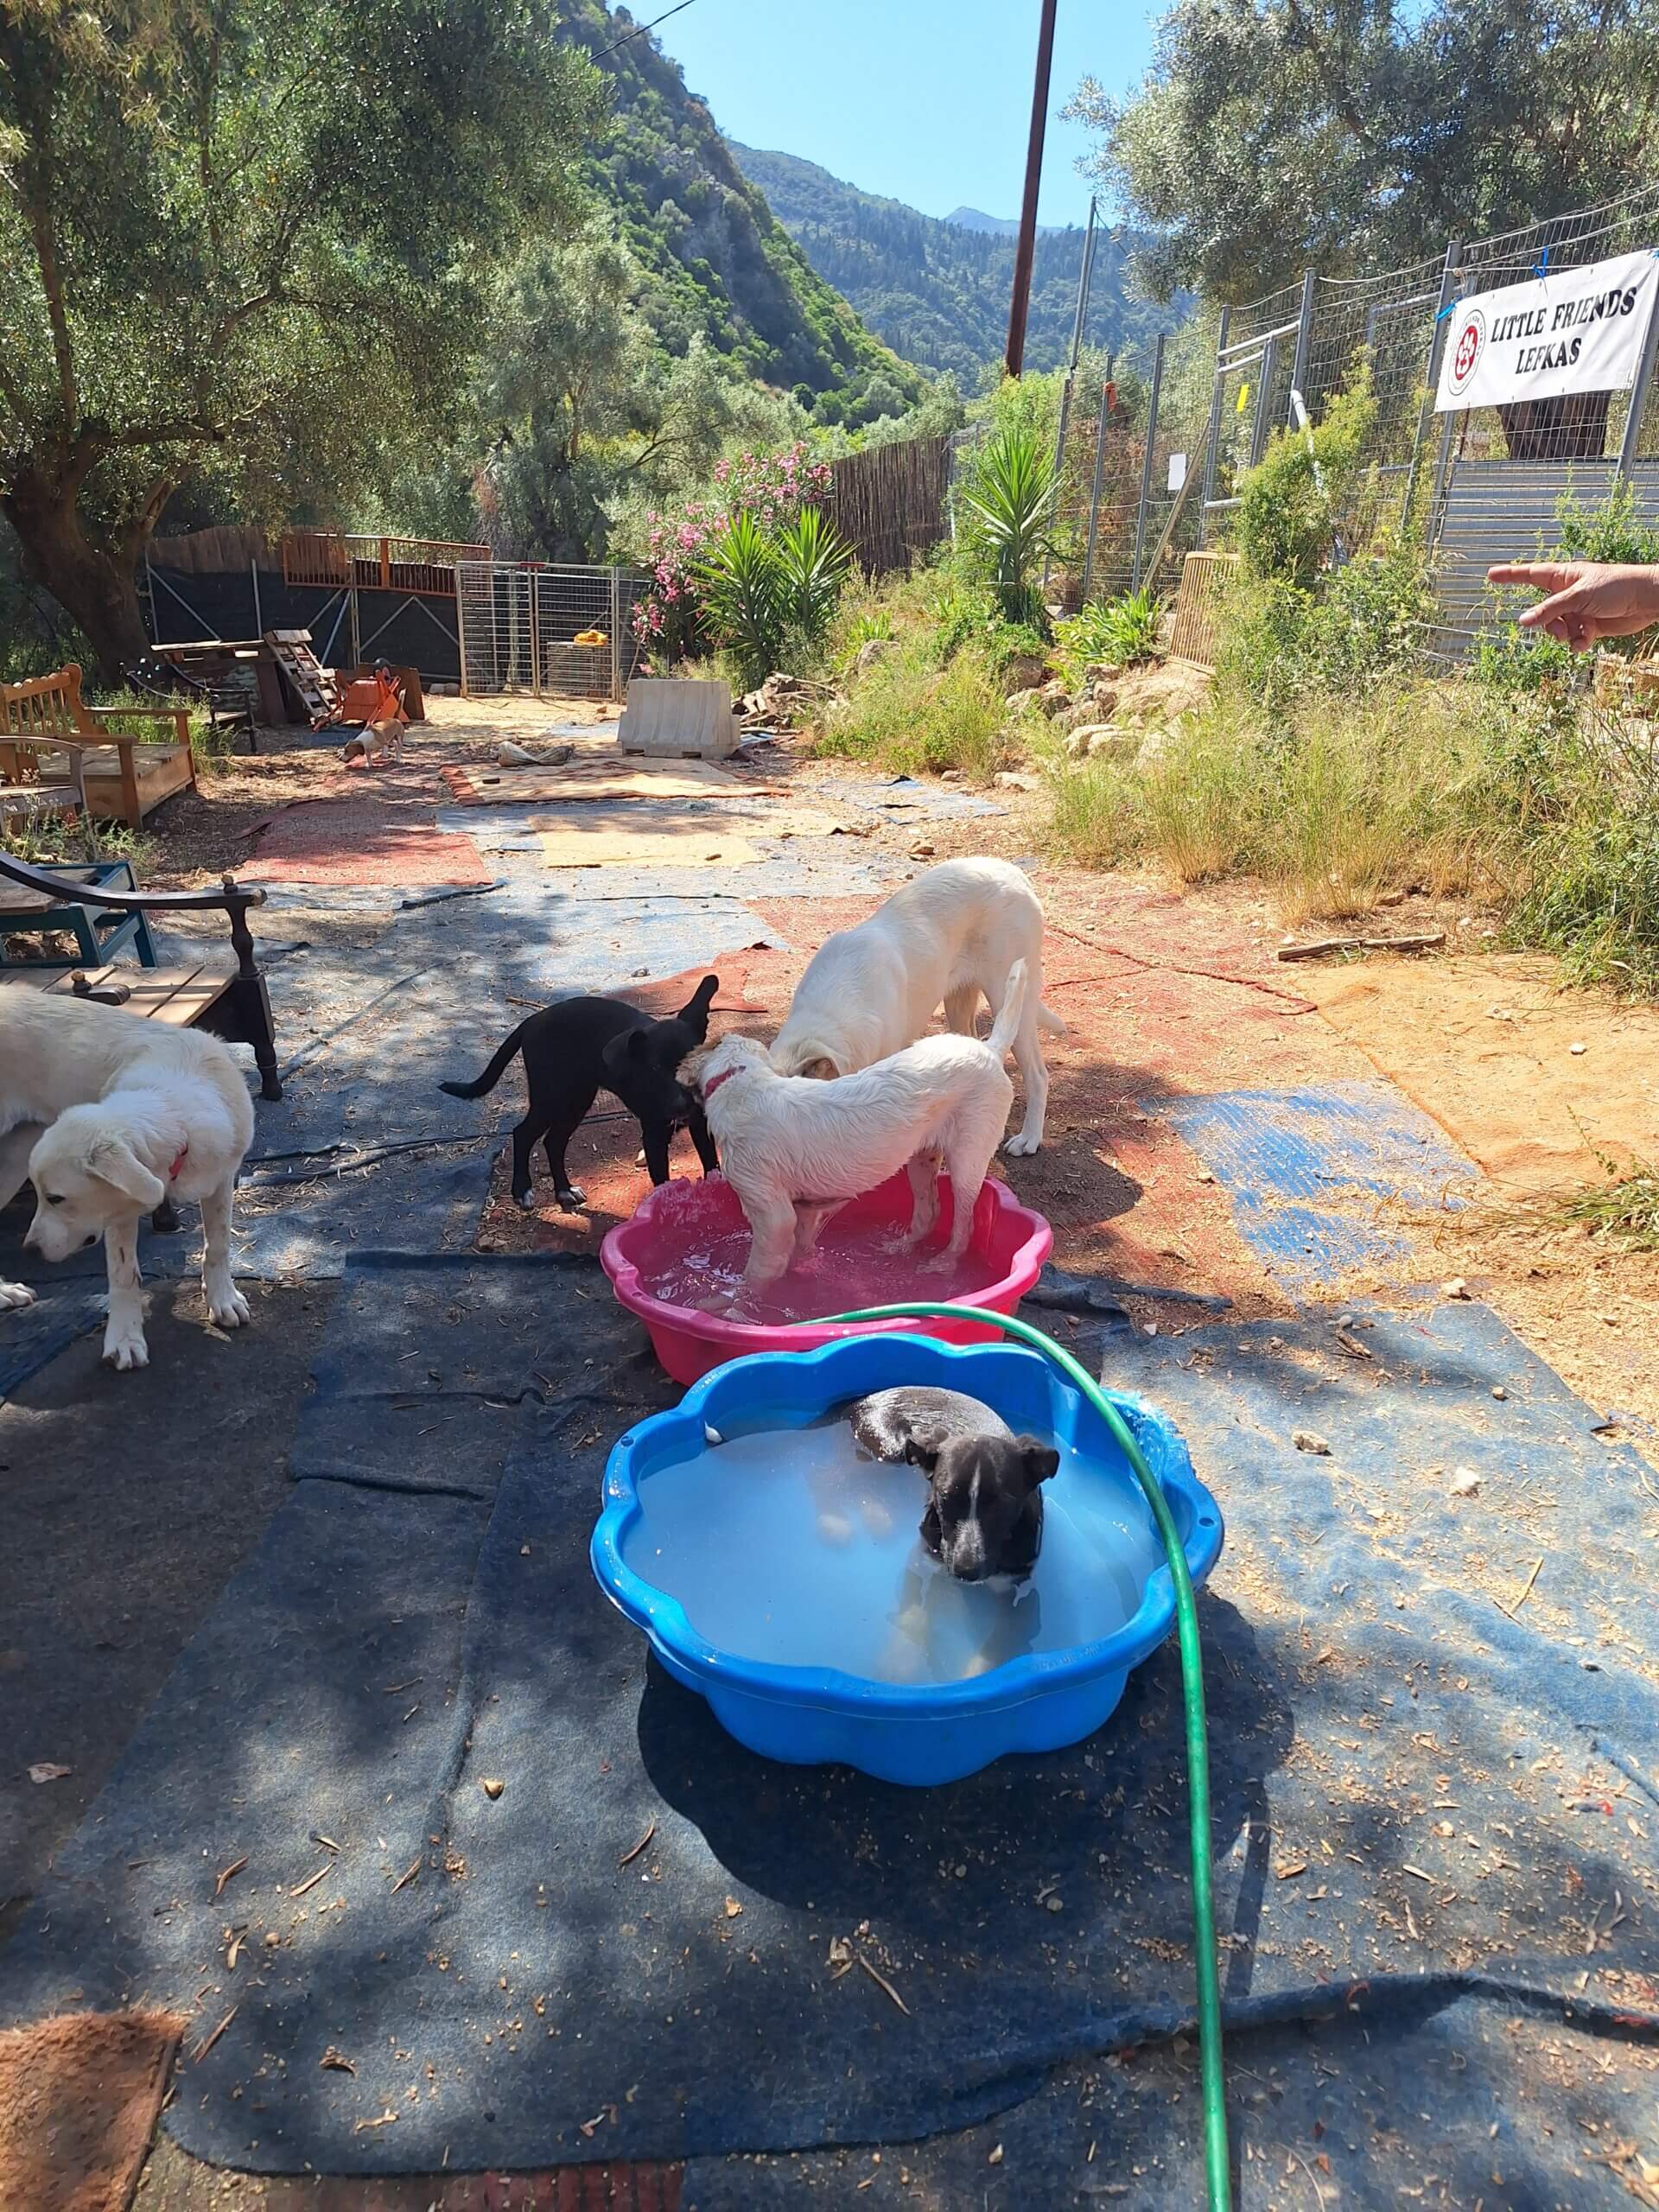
314, 684
179, 996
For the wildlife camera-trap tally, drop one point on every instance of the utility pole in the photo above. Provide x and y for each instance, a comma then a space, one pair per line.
1015, 359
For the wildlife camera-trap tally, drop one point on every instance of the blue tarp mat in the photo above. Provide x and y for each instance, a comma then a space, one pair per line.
1415, 1790
1307, 1171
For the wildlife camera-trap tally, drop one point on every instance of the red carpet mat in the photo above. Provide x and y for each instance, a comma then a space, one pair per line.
360, 841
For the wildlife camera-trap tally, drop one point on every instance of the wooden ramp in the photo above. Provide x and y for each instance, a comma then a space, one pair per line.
312, 683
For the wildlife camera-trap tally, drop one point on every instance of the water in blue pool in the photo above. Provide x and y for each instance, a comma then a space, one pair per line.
789, 1547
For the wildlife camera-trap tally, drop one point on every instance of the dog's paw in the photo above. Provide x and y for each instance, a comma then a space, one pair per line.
525, 1201
571, 1198
227, 1307
124, 1347
1022, 1147
14, 1296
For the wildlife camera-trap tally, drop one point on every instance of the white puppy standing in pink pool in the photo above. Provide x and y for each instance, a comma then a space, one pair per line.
796, 1150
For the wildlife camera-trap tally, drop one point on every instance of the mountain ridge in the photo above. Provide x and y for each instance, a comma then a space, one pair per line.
938, 291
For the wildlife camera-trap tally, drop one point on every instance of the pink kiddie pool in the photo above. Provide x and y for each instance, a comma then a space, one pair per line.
687, 1242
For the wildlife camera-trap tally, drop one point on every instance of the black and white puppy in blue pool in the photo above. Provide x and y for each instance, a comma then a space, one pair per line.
985, 1502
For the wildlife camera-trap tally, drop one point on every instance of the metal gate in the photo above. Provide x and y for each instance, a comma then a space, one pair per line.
520, 622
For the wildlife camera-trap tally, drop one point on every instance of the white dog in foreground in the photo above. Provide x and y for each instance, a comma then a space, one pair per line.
797, 1151
133, 1112
949, 936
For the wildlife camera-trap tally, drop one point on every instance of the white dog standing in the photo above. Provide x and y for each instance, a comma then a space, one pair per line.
129, 1112
796, 1151
949, 936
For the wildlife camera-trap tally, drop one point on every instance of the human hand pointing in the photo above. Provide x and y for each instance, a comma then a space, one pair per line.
1588, 600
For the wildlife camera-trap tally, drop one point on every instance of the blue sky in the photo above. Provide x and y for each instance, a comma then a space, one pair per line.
927, 101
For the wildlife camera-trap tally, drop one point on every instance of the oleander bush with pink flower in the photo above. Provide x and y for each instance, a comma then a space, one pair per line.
672, 619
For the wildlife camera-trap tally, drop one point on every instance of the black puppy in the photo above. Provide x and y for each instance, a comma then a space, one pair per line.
985, 1505
573, 1050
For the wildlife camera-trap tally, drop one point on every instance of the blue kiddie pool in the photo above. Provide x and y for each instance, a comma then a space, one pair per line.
783, 1576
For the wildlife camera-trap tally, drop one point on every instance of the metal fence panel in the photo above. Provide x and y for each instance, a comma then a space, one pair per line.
520, 621
1503, 511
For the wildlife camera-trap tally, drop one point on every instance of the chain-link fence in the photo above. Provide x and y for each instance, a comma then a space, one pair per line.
1162, 480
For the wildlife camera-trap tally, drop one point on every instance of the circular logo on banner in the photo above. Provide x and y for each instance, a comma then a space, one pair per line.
1471, 341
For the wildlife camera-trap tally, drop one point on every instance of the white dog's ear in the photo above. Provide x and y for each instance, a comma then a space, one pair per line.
114, 1159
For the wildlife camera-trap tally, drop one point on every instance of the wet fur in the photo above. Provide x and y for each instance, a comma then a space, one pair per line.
984, 1512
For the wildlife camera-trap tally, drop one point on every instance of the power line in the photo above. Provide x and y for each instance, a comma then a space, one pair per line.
641, 30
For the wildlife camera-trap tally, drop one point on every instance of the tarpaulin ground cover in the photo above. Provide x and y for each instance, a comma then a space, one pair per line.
1308, 1167
1415, 1789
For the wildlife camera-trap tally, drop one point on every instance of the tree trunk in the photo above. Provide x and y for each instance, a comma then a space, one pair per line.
94, 586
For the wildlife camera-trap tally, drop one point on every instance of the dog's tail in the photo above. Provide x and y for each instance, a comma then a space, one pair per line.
1007, 1025
492, 1074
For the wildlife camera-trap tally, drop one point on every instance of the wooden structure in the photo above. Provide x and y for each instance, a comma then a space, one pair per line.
228, 998
332, 561
889, 502
311, 684
123, 778
1205, 579
99, 931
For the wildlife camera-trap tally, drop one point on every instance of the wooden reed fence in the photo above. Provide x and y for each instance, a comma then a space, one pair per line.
889, 502
1205, 579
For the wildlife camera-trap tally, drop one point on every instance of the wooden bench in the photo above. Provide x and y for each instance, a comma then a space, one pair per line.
228, 998
124, 776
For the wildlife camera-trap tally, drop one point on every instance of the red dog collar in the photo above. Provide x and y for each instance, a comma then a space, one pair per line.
725, 1076
172, 1172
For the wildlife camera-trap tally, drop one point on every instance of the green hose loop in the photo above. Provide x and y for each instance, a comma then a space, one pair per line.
1217, 2162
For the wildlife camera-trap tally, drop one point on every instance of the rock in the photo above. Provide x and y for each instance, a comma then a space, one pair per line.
1464, 1483
785, 700
1020, 703
1305, 1440
1015, 779
1024, 672
1052, 697
1102, 672
1106, 697
1456, 1289
1159, 693
922, 851
871, 649
1096, 741
1390, 898
491, 1786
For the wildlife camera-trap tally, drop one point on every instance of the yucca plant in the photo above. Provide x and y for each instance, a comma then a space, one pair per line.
745, 602
814, 561
1010, 514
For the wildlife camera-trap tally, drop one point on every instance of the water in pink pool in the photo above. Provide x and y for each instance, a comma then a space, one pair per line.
854, 1267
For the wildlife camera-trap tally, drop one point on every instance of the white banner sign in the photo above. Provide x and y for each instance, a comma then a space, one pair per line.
1578, 331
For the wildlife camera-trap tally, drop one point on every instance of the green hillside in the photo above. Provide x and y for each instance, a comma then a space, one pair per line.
716, 260
939, 291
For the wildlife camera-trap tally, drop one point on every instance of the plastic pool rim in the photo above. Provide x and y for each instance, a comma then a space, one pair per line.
719, 1340
1019, 1681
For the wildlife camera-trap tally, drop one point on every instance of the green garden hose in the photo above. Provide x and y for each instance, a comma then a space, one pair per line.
1217, 2163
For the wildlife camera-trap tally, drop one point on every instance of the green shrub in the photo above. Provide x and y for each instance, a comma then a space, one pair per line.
908, 715
1611, 531
764, 592
1289, 505
1007, 511
1119, 632
1280, 642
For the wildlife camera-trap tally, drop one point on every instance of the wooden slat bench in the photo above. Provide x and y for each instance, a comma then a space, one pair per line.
126, 777
229, 998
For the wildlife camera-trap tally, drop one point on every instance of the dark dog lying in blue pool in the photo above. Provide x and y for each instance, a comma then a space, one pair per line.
580, 1046
985, 1504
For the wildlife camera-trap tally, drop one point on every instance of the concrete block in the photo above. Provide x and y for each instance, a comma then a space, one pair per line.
677, 717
